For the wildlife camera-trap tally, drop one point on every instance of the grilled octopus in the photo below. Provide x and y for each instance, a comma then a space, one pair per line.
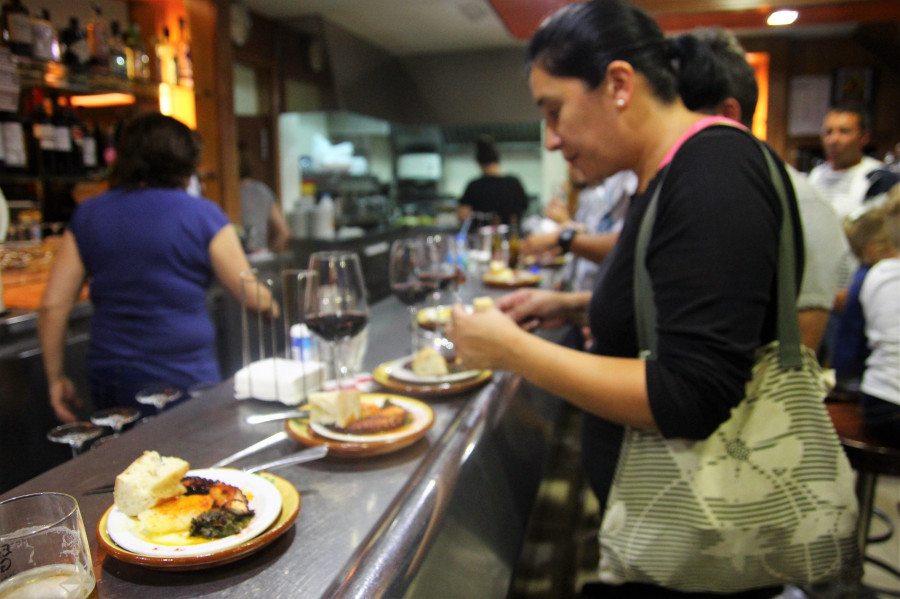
377, 420
226, 497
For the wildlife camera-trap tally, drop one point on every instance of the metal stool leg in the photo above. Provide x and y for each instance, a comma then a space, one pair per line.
865, 495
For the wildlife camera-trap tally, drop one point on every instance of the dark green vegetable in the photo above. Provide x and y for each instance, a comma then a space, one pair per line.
216, 524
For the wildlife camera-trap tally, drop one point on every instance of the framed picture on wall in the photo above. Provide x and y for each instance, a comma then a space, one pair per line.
853, 86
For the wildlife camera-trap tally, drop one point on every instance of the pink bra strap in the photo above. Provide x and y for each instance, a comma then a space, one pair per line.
694, 129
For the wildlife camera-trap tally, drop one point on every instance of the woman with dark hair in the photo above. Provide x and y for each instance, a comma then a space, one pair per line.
607, 82
492, 192
150, 251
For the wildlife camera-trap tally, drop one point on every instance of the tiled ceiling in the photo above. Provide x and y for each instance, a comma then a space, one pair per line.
407, 27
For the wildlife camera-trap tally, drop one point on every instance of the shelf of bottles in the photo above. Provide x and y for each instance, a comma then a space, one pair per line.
63, 93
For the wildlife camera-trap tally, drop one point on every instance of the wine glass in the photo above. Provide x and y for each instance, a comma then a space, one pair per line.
115, 418
335, 305
158, 396
75, 435
437, 265
405, 282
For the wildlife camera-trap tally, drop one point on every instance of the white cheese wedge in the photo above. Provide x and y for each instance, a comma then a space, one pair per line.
482, 303
334, 407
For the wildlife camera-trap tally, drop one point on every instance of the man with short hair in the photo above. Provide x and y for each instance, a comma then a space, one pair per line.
848, 177
824, 238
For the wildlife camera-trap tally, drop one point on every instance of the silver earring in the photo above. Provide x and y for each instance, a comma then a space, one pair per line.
620, 102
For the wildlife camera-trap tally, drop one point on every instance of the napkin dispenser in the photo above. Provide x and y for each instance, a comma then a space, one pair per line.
279, 379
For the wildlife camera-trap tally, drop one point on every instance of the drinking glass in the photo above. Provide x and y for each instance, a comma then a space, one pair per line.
115, 418
158, 396
403, 271
75, 435
335, 306
44, 550
437, 267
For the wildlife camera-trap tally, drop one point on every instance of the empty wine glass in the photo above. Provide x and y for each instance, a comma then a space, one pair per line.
75, 435
403, 271
115, 418
158, 396
335, 305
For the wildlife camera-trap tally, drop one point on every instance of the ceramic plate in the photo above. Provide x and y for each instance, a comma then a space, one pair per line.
522, 278
382, 376
340, 444
401, 370
265, 501
290, 507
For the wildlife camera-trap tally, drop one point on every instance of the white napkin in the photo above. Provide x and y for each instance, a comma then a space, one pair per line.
278, 379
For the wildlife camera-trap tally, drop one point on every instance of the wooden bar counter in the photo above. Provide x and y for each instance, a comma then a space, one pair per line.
444, 517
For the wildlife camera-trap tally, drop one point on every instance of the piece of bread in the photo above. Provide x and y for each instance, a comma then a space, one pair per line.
497, 266
483, 303
339, 408
429, 362
148, 481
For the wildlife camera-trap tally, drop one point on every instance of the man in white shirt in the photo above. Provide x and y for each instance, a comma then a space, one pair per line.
844, 178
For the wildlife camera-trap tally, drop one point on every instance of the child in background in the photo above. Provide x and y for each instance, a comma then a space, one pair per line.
880, 299
869, 243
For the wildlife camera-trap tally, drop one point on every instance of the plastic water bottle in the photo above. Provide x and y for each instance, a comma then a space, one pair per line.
303, 346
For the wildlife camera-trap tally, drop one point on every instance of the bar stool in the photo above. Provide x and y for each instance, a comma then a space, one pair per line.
870, 458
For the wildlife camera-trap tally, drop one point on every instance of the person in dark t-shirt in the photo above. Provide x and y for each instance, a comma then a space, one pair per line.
492, 192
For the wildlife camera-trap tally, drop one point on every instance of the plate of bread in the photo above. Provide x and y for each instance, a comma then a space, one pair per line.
500, 275
357, 424
168, 516
429, 367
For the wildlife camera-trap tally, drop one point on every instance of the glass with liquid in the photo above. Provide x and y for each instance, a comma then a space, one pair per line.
44, 550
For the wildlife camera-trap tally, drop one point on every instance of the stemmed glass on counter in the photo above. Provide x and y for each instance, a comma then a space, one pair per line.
158, 396
115, 418
406, 284
437, 266
75, 435
335, 304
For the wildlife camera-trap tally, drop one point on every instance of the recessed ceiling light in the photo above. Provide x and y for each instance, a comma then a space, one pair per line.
782, 17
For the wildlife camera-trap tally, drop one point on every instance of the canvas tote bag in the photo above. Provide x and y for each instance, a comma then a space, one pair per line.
767, 499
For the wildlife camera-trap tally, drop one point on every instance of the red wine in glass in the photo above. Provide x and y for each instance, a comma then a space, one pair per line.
334, 326
438, 279
412, 293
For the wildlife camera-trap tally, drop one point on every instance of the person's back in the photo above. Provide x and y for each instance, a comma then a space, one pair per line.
256, 203
492, 192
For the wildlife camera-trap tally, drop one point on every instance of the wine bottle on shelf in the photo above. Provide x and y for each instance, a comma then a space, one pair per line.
17, 27
44, 42
98, 38
76, 51
117, 55
15, 148
138, 60
166, 68
184, 61
43, 141
76, 132
62, 136
90, 158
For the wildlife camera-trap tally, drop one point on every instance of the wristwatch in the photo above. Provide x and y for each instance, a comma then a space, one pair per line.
565, 239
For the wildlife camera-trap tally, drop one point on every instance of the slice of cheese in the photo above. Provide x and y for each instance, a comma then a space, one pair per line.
338, 408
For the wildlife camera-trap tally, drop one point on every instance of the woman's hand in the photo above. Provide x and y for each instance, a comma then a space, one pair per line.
64, 399
482, 339
557, 210
542, 308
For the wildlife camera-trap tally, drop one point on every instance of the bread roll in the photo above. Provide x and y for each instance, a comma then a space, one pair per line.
482, 303
429, 362
148, 481
339, 408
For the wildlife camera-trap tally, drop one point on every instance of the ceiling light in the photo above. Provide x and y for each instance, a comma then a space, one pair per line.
782, 17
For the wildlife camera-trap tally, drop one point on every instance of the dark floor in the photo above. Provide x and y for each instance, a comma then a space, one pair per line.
561, 552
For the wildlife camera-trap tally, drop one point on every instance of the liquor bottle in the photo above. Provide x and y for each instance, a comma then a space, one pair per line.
90, 157
44, 144
117, 55
513, 240
138, 60
166, 68
44, 43
15, 148
183, 56
98, 38
17, 27
76, 132
76, 51
62, 136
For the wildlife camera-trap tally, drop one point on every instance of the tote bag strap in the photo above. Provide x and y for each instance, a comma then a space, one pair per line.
788, 327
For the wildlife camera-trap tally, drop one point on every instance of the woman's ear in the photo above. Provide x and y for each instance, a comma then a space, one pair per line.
620, 82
